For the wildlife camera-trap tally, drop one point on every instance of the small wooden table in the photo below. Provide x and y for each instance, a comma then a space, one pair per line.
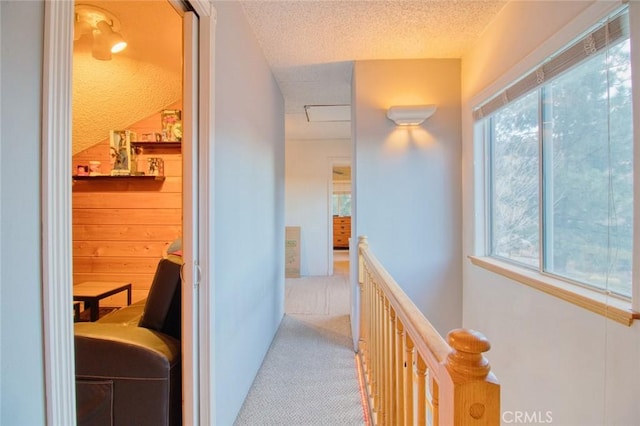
91, 292
76, 311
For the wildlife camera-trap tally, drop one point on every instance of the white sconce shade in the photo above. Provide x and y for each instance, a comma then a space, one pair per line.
410, 115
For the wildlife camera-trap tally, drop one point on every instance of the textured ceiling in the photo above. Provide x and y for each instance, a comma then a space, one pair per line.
311, 45
138, 82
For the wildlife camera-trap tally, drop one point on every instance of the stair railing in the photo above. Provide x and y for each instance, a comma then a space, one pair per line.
412, 375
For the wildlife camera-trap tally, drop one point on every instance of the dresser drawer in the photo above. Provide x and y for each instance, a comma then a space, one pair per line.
342, 222
341, 231
340, 241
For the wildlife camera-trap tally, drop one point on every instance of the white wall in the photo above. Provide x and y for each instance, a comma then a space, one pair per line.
407, 190
548, 355
249, 197
249, 209
307, 188
21, 356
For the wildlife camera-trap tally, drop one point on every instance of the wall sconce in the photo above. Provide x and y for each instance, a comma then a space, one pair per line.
103, 27
410, 115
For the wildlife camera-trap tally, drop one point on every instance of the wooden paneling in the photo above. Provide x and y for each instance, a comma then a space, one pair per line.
127, 216
122, 227
138, 233
108, 264
118, 248
126, 199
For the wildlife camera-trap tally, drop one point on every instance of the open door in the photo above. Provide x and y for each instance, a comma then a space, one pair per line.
198, 373
190, 224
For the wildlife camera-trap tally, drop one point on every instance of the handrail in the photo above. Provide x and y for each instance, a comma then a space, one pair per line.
413, 375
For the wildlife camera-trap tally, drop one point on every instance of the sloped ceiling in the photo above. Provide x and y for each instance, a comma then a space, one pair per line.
311, 45
136, 83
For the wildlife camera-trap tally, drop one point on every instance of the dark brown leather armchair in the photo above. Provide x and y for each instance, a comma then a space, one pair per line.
128, 365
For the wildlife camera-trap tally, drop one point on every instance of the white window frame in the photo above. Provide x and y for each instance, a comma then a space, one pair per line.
603, 303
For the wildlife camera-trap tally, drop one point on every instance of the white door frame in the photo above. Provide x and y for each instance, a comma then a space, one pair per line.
56, 215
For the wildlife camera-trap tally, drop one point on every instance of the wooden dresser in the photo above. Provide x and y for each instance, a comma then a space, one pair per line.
341, 231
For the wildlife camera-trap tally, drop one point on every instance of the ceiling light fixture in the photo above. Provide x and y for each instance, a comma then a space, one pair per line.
114, 40
410, 115
103, 27
99, 48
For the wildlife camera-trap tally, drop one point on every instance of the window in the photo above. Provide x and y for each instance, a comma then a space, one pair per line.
560, 163
341, 204
514, 181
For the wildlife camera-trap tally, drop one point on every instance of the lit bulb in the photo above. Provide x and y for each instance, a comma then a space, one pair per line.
119, 46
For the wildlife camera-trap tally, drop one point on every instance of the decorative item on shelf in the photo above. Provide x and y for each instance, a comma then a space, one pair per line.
137, 169
120, 151
82, 170
146, 137
94, 168
155, 166
171, 125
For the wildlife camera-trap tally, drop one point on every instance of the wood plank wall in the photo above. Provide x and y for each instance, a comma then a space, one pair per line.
122, 228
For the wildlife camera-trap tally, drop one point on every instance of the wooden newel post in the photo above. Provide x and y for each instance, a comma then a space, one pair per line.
471, 394
363, 244
363, 340
466, 356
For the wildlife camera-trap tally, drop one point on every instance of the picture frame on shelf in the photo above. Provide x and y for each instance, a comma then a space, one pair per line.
120, 151
171, 125
155, 166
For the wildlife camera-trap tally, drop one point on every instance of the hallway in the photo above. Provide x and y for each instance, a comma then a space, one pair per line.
309, 375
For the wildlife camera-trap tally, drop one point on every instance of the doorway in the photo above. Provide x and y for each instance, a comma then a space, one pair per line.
124, 222
340, 217
56, 214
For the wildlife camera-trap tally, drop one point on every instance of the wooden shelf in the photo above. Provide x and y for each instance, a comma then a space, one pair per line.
108, 177
156, 145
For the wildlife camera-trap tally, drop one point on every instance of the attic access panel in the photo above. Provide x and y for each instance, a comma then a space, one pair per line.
327, 113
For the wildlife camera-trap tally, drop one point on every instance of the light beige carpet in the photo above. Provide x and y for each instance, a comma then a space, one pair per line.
317, 295
309, 375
